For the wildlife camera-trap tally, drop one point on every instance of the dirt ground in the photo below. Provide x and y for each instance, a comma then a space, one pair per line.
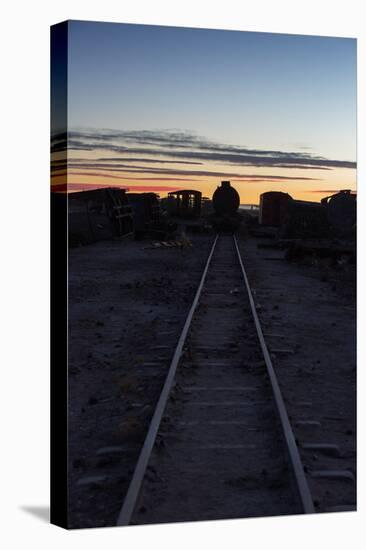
127, 305
308, 313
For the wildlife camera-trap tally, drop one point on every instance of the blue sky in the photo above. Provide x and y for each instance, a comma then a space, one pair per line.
256, 90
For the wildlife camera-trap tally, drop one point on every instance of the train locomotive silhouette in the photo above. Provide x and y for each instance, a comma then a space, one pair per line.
225, 202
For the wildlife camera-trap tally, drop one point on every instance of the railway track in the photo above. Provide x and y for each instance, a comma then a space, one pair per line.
220, 444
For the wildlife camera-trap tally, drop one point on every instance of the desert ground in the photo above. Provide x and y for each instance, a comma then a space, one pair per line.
127, 304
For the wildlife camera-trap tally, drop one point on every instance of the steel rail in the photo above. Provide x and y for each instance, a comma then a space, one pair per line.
302, 484
129, 503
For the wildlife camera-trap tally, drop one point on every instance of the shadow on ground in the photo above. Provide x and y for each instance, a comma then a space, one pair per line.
40, 512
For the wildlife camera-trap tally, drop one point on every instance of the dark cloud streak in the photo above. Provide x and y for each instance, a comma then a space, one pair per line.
196, 173
187, 148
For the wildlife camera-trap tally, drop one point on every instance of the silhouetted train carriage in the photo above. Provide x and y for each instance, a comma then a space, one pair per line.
341, 212
305, 219
146, 212
149, 217
185, 203
206, 206
333, 216
98, 214
273, 208
225, 201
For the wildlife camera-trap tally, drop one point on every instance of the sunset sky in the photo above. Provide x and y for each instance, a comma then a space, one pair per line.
162, 108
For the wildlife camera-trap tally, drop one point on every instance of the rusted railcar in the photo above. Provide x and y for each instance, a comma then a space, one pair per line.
150, 219
305, 219
273, 208
98, 214
146, 212
185, 203
341, 212
333, 216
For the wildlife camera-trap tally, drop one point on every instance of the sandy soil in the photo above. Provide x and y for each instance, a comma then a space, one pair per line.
127, 305
308, 313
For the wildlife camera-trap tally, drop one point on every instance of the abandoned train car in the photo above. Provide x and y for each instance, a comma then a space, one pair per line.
185, 203
273, 208
150, 218
98, 214
146, 212
305, 219
342, 213
333, 216
225, 201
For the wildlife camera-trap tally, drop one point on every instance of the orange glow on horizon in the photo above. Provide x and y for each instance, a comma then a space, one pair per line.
310, 185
